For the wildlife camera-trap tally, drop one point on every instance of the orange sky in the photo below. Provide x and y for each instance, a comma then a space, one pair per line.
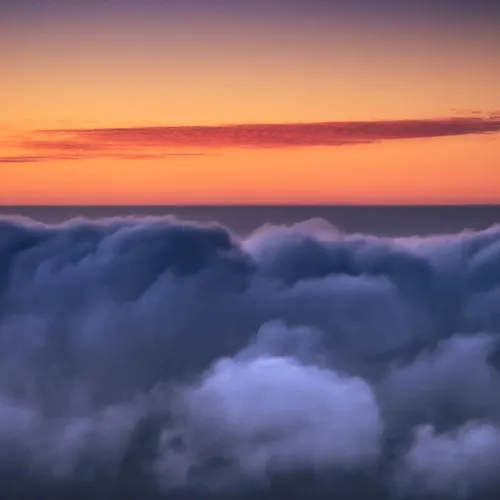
184, 66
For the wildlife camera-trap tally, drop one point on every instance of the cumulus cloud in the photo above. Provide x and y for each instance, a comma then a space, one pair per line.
247, 420
156, 358
453, 464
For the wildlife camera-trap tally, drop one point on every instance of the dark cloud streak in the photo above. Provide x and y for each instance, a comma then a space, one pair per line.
93, 156
162, 142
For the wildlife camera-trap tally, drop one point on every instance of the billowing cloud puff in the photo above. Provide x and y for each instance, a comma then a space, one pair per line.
279, 414
452, 464
153, 358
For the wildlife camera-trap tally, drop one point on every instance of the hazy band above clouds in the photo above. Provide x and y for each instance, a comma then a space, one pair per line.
153, 358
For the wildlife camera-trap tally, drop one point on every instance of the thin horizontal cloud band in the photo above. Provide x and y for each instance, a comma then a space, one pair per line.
282, 135
92, 155
165, 141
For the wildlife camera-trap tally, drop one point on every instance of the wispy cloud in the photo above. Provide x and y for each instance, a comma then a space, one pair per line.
23, 159
58, 156
161, 142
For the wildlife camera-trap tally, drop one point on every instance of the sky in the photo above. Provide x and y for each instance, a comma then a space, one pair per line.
250, 101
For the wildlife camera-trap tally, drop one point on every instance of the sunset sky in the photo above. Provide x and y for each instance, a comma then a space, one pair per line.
250, 101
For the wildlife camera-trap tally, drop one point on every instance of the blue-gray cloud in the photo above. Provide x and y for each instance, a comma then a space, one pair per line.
155, 358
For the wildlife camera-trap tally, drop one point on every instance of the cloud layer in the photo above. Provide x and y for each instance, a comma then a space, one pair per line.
153, 358
163, 142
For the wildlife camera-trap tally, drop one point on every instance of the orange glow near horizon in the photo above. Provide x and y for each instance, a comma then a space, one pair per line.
379, 173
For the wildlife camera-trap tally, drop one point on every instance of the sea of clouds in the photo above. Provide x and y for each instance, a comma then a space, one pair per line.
158, 359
